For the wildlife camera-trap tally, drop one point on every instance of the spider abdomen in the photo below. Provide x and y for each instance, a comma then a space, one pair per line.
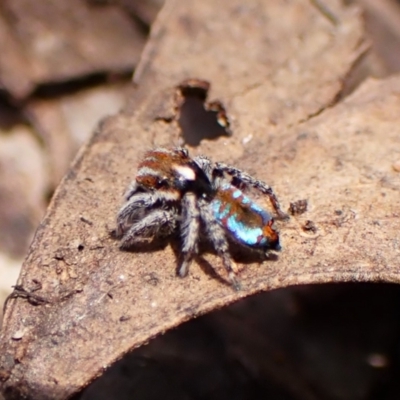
245, 220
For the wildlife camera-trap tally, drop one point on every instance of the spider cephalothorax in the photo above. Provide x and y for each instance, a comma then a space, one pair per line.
199, 199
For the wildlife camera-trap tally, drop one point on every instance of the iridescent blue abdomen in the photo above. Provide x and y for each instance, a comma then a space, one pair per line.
246, 221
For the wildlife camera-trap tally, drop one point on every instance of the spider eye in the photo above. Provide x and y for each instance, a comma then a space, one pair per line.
183, 152
161, 183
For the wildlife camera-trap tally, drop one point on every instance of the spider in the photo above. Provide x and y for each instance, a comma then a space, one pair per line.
198, 198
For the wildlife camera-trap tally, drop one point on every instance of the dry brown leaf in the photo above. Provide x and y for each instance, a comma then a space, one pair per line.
382, 21
278, 68
145, 10
23, 180
63, 126
52, 41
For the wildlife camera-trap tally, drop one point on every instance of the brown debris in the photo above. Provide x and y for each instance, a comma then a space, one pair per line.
298, 207
310, 226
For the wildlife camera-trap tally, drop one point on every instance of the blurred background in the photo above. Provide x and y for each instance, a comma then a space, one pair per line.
63, 67
66, 65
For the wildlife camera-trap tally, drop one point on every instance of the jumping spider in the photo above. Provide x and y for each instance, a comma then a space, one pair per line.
198, 198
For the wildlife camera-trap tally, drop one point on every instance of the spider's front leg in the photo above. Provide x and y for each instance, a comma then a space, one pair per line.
189, 231
132, 189
243, 178
138, 205
156, 223
216, 235
133, 210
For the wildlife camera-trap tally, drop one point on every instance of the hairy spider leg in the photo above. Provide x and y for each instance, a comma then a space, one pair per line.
189, 228
205, 164
138, 206
217, 236
151, 225
248, 180
132, 189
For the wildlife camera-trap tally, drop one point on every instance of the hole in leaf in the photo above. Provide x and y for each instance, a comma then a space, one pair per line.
197, 118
